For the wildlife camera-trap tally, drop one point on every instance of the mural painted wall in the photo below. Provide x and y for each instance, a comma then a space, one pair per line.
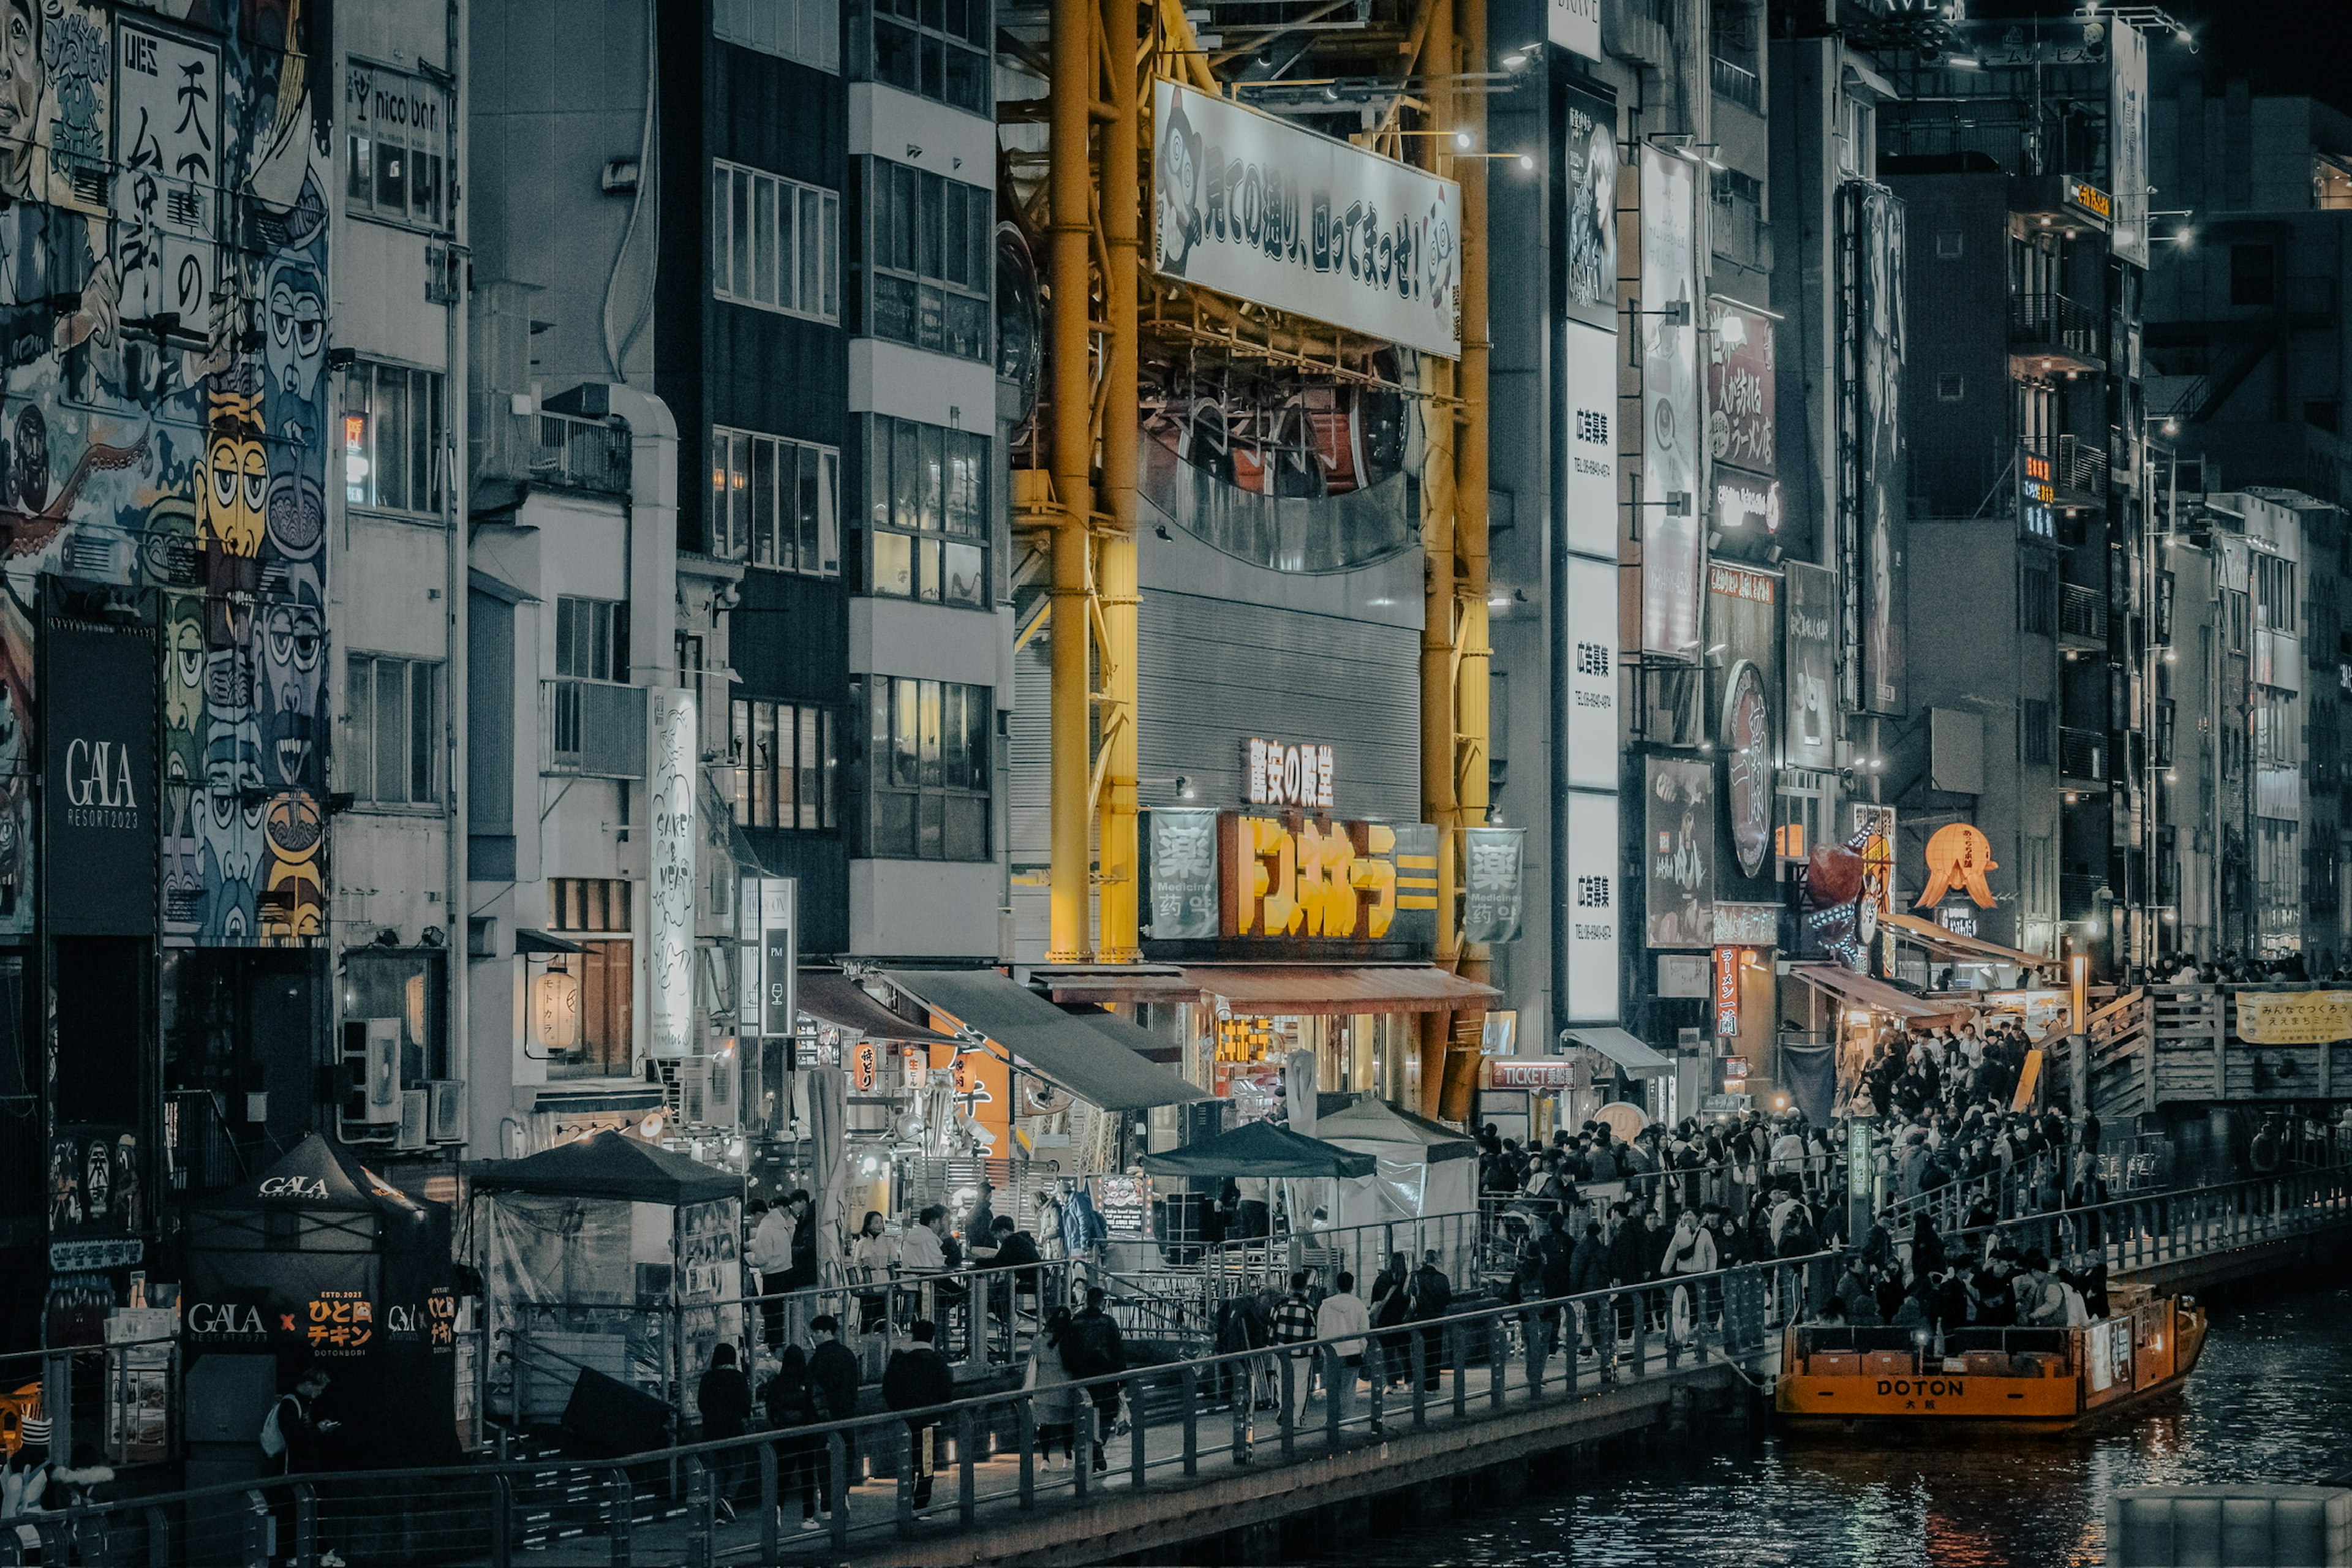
163, 397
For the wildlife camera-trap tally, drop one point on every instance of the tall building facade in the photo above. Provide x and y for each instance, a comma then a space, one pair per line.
166, 836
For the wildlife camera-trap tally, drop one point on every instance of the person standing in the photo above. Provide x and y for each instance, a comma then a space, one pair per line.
917, 1378
724, 1399
873, 1260
832, 1368
25, 1477
1292, 1325
1431, 1298
792, 1400
1389, 1288
771, 1255
1054, 1402
1094, 1349
1342, 1323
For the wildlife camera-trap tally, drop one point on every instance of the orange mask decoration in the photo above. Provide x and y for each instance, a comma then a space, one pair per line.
1959, 854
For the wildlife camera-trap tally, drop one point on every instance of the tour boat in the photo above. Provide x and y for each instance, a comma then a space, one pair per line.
1837, 1379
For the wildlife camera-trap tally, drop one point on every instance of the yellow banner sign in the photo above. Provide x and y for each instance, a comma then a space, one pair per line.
2297, 1018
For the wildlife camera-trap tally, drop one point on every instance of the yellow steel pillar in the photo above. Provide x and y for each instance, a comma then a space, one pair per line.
1439, 802
1471, 688
1115, 583
1069, 209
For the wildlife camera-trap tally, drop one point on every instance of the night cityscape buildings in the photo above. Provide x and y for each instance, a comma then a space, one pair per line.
1004, 588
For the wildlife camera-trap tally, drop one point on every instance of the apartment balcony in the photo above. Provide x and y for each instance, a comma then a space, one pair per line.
2082, 760
2082, 618
2050, 334
1736, 83
560, 451
591, 728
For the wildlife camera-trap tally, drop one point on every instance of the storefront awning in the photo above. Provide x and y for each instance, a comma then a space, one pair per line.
1285, 989
1093, 1058
1629, 1053
1951, 946
832, 997
542, 942
1862, 990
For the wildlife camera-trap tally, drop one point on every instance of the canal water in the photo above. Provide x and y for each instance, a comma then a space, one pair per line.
2271, 1401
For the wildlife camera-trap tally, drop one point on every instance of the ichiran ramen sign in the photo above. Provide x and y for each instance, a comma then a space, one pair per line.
1262, 209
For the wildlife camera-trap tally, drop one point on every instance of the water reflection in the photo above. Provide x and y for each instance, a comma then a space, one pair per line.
2271, 1402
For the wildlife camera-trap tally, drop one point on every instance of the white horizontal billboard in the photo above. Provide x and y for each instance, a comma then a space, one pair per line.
1256, 207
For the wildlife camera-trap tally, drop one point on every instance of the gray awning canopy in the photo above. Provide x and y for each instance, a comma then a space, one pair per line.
1629, 1053
1094, 1058
528, 940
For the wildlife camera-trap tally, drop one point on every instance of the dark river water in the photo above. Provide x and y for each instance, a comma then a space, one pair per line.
2271, 1401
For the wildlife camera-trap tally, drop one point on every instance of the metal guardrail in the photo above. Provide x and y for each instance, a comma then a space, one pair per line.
2082, 613
2081, 754
1736, 83
563, 450
1243, 1409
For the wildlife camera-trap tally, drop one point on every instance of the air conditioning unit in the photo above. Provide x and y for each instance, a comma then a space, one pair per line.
446, 1122
414, 1106
707, 1091
379, 1070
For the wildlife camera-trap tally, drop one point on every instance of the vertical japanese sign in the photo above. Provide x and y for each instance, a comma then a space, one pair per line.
1679, 846
2127, 138
1588, 683
1880, 339
1739, 389
1594, 908
1670, 400
1491, 898
1726, 991
1811, 595
167, 115
669, 905
1180, 872
780, 957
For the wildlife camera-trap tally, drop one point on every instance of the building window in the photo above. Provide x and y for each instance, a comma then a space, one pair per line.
391, 731
582, 1010
774, 243
2037, 601
2250, 275
935, 50
927, 511
808, 31
787, 764
928, 258
1951, 386
588, 904
929, 767
591, 640
2039, 733
774, 503
1949, 244
396, 146
2274, 591
391, 438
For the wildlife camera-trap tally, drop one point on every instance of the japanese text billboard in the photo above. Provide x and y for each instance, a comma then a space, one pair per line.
1264, 210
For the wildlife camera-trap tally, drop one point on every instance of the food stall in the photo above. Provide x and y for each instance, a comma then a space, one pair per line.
1861, 1008
611, 1255
1425, 1167
319, 1260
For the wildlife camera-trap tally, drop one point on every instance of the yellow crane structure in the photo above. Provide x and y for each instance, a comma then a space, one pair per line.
1079, 503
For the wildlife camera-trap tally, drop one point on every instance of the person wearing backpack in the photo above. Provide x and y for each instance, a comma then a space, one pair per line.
1094, 1349
292, 1437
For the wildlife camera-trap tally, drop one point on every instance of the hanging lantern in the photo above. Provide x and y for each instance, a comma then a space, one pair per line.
556, 1003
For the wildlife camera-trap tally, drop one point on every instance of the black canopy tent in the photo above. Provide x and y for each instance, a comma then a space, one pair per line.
609, 1254
1262, 1149
318, 1259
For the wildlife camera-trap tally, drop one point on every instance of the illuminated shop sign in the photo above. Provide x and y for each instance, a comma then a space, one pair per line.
1277, 773
1291, 883
2088, 198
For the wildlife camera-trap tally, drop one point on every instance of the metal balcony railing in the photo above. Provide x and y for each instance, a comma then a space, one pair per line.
561, 450
2080, 465
2054, 321
594, 728
2082, 613
2081, 754
1737, 84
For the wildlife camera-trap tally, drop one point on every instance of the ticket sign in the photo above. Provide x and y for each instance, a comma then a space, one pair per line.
1535, 1074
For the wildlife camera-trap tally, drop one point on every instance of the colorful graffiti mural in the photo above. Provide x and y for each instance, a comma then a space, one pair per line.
163, 405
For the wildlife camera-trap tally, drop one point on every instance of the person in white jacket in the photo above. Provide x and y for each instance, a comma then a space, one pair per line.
1342, 1321
772, 1254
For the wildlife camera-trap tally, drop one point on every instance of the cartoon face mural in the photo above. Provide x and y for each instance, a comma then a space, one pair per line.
293, 903
295, 345
194, 469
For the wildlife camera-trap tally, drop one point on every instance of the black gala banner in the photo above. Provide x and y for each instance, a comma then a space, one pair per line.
100, 829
